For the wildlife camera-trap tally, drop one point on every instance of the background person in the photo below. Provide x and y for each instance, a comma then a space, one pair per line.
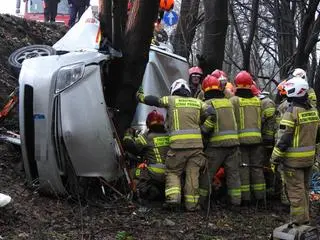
50, 9
77, 8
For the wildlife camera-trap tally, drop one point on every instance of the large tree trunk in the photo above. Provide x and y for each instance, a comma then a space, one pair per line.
138, 37
317, 85
124, 75
186, 27
216, 24
308, 35
286, 35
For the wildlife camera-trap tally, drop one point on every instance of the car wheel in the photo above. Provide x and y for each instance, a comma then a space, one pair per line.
18, 56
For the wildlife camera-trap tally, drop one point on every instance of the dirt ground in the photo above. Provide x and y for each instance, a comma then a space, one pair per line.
33, 216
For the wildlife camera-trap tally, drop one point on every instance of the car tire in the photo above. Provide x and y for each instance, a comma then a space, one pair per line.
18, 56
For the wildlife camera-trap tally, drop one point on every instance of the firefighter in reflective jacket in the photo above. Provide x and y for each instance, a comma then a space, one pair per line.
153, 147
281, 109
299, 72
185, 153
267, 131
223, 78
195, 79
295, 149
222, 149
248, 115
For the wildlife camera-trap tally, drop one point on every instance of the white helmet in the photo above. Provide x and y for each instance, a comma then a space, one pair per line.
296, 87
299, 72
179, 83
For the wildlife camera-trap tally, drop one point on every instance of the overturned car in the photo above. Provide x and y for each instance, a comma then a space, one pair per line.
65, 125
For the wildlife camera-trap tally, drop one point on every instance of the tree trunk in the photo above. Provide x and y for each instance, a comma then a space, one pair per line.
285, 29
186, 27
309, 30
317, 85
138, 37
216, 24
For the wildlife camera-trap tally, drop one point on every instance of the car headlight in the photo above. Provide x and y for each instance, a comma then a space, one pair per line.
69, 75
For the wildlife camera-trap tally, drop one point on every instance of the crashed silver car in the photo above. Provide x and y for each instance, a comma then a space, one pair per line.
64, 118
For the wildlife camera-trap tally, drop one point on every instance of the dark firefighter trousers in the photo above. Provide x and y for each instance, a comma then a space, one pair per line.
229, 158
251, 172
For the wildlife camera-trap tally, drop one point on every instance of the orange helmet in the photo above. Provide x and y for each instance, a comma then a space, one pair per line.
243, 80
195, 71
211, 83
154, 118
255, 89
281, 89
166, 5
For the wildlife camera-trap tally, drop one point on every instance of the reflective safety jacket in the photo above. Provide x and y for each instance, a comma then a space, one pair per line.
222, 126
153, 147
297, 137
312, 97
183, 119
248, 116
281, 109
268, 120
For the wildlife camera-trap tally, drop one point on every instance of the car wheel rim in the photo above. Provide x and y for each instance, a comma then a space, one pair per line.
31, 54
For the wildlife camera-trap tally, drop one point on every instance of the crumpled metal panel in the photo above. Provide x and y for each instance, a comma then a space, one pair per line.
161, 71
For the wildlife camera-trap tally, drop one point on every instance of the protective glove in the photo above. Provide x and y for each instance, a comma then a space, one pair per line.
140, 94
274, 167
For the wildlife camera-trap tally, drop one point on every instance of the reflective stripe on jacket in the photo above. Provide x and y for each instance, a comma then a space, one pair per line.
223, 127
248, 117
301, 125
152, 146
183, 120
312, 97
268, 119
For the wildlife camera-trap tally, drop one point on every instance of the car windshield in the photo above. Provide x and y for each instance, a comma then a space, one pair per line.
35, 6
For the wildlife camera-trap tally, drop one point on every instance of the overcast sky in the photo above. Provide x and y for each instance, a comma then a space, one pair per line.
8, 6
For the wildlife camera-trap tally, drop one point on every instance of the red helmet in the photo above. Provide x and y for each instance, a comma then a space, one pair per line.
211, 83
255, 89
243, 80
154, 118
220, 75
195, 71
166, 5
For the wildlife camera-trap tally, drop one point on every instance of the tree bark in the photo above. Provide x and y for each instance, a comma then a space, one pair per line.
317, 85
309, 29
137, 40
215, 30
285, 34
186, 27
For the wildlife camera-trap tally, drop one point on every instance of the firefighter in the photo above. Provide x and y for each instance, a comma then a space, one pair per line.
186, 147
267, 131
152, 146
248, 110
223, 78
195, 79
295, 148
299, 72
4, 199
222, 149
280, 110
